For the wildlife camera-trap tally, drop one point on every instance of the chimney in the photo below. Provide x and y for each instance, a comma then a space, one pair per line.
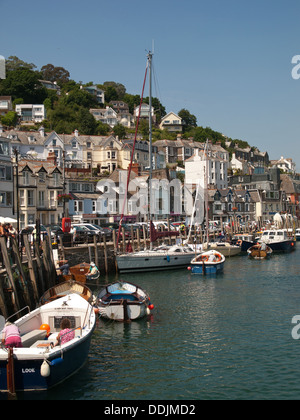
52, 158
76, 133
136, 169
42, 131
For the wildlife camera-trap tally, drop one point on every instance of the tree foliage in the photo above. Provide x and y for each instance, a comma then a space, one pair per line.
70, 110
55, 74
23, 83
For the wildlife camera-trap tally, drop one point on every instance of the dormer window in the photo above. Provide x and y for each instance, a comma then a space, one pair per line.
74, 144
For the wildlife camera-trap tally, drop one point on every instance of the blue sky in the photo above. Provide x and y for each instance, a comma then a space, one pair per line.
227, 62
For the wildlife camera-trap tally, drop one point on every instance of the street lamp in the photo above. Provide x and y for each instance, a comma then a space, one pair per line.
16, 189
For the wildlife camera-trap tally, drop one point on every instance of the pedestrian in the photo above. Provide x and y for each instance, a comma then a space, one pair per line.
11, 336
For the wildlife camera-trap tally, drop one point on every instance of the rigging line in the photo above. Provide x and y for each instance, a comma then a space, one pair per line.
132, 154
156, 85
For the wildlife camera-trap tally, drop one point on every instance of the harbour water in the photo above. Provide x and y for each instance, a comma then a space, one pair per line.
217, 337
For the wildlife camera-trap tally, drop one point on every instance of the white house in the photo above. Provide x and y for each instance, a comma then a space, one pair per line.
171, 122
197, 165
30, 113
286, 165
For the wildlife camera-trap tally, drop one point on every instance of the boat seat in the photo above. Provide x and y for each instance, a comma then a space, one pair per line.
32, 336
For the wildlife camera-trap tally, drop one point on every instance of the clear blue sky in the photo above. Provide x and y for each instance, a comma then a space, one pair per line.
227, 62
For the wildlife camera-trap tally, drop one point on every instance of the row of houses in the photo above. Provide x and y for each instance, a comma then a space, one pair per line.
47, 176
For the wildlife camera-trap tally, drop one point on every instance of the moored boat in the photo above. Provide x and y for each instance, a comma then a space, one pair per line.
123, 301
38, 365
278, 240
244, 240
64, 289
161, 258
209, 262
225, 248
259, 252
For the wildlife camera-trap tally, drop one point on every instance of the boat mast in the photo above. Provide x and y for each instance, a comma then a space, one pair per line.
150, 55
206, 192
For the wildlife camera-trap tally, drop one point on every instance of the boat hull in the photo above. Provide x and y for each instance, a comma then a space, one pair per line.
285, 246
227, 250
116, 311
27, 373
123, 301
143, 263
200, 268
59, 362
209, 262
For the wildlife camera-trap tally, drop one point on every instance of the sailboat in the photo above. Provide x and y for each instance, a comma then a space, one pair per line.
160, 258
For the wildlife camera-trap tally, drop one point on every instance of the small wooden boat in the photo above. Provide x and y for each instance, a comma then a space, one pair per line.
76, 272
259, 252
209, 262
123, 302
39, 365
66, 288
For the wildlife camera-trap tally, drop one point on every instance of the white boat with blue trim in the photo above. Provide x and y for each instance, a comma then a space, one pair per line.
209, 262
123, 301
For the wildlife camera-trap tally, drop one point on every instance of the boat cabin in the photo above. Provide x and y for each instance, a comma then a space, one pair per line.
274, 236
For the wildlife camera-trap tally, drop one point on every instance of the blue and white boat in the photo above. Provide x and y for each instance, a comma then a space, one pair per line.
209, 262
123, 301
39, 366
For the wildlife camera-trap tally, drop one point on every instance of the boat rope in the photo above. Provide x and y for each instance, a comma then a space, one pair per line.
132, 155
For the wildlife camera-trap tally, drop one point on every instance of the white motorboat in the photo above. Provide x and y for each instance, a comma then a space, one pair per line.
161, 258
227, 249
278, 240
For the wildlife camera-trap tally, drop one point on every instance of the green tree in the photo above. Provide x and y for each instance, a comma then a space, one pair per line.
189, 120
14, 63
86, 123
120, 131
10, 119
55, 74
23, 83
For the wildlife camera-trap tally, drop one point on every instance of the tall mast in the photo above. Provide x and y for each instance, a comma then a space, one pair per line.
150, 55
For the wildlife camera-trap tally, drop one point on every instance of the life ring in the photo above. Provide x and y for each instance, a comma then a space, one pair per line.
239, 242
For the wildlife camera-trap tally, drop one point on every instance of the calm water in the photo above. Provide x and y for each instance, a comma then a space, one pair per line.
222, 337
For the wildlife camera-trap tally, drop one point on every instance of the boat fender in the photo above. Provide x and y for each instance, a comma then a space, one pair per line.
168, 258
57, 361
45, 369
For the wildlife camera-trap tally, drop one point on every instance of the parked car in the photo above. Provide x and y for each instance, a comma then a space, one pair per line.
83, 234
43, 232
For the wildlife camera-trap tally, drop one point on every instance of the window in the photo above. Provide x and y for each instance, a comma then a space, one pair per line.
89, 156
52, 198
41, 199
22, 197
25, 178
2, 172
42, 177
56, 179
30, 198
4, 148
78, 206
